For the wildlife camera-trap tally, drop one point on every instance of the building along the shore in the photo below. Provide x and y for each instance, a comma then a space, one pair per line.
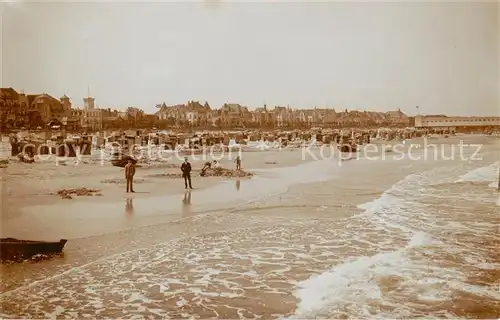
234, 115
31, 110
457, 124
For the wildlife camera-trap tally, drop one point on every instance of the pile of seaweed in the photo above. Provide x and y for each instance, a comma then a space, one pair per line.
24, 157
120, 181
166, 175
69, 193
228, 173
154, 165
4, 163
210, 172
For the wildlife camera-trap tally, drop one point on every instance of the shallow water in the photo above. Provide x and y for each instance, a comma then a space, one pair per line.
378, 239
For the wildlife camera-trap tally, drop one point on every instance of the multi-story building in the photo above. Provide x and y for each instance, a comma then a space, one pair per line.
197, 114
290, 116
72, 118
376, 118
65, 102
328, 117
9, 107
49, 107
92, 116
311, 117
35, 110
204, 115
301, 117
262, 117
442, 122
215, 118
135, 114
246, 116
192, 113
232, 115
162, 113
281, 118
110, 115
397, 117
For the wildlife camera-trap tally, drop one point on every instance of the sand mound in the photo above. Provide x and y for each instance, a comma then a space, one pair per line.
228, 173
69, 193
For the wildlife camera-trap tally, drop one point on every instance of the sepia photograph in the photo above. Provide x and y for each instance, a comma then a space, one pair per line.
259, 159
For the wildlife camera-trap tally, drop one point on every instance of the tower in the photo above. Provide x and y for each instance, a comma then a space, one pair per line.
88, 103
66, 102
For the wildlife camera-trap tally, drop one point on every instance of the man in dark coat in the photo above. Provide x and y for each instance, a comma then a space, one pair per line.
238, 163
129, 175
186, 173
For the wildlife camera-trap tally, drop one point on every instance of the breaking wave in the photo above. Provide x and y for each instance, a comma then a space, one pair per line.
437, 264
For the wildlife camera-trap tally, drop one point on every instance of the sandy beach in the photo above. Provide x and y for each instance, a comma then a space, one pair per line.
30, 189
303, 238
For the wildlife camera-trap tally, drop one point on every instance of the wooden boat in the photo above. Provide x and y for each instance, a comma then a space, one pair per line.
122, 161
12, 249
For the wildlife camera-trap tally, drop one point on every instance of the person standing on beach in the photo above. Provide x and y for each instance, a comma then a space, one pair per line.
129, 175
186, 173
238, 163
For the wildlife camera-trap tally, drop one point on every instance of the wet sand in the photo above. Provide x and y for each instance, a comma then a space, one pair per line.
304, 249
31, 207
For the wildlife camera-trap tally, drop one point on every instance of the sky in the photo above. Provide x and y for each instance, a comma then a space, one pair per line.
380, 56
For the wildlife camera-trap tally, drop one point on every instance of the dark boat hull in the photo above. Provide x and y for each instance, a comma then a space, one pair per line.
17, 250
122, 161
119, 163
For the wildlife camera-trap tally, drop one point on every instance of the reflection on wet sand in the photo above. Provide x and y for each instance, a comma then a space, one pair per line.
187, 198
129, 206
186, 203
238, 184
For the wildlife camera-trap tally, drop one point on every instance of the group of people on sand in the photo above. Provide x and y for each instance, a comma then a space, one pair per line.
185, 168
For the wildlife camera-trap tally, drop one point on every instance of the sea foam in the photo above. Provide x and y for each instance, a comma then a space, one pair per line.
361, 286
487, 174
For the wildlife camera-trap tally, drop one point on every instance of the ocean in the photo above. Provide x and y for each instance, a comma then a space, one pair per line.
370, 238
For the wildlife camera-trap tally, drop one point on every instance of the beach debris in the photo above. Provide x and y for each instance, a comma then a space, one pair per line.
69, 193
228, 173
166, 175
210, 172
153, 165
39, 257
120, 181
4, 163
270, 162
24, 157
